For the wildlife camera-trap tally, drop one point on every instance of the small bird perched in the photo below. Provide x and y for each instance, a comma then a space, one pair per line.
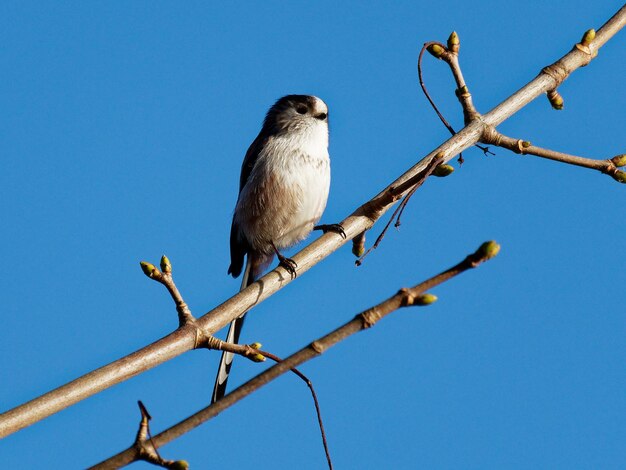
283, 189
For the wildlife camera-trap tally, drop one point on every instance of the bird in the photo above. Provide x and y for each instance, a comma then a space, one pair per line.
283, 191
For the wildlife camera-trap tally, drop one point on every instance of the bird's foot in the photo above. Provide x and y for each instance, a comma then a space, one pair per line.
336, 228
287, 263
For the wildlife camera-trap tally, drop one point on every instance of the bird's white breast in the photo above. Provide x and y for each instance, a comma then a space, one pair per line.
293, 171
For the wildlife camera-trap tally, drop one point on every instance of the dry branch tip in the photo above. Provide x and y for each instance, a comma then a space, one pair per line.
145, 448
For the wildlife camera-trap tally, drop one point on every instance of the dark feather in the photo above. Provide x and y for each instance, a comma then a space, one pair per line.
238, 250
234, 332
219, 389
239, 246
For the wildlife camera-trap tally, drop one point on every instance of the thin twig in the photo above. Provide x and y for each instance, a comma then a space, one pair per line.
423, 85
608, 167
315, 401
165, 277
394, 192
403, 298
485, 150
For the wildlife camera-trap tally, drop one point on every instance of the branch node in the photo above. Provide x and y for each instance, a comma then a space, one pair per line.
370, 317
558, 73
521, 146
211, 342
406, 297
317, 347
491, 136
583, 48
146, 450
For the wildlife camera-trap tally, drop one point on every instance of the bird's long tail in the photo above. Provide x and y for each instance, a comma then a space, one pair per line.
219, 390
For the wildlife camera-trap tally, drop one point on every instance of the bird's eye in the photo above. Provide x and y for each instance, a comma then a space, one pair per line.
321, 116
301, 109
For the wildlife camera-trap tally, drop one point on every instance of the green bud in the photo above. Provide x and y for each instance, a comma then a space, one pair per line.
179, 465
619, 176
443, 170
148, 269
461, 91
257, 358
166, 266
436, 50
454, 42
589, 36
488, 250
619, 160
255, 345
425, 299
526, 144
358, 245
556, 100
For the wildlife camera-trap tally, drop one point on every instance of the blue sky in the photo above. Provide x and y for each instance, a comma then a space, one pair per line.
123, 127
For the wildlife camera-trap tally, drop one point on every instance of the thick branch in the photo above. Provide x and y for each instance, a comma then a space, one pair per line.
183, 339
366, 319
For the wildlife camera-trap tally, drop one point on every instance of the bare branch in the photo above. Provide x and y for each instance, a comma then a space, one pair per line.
608, 167
183, 339
414, 296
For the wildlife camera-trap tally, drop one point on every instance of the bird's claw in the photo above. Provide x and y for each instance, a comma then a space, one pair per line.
289, 265
336, 228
